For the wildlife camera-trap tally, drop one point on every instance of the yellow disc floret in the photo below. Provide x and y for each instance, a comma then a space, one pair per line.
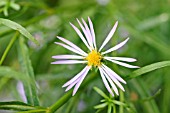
94, 58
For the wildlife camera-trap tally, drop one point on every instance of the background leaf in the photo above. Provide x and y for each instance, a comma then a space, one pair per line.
15, 105
147, 26
16, 26
26, 66
149, 68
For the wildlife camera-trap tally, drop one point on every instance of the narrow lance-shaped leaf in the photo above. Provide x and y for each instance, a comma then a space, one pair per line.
18, 27
8, 72
153, 96
109, 109
100, 106
35, 111
16, 105
26, 67
149, 68
101, 93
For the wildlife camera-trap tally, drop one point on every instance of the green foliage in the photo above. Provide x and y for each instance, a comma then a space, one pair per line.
15, 26
14, 105
26, 67
110, 103
28, 30
149, 68
6, 4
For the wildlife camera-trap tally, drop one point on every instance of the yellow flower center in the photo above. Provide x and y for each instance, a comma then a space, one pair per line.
94, 58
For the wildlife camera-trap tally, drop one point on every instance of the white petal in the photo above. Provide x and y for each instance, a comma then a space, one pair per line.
73, 83
109, 36
115, 47
75, 77
115, 80
67, 57
113, 74
111, 82
72, 45
80, 35
88, 33
105, 82
69, 48
122, 59
69, 62
122, 63
92, 32
85, 33
81, 80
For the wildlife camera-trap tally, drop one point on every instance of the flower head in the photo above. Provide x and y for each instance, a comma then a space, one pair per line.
94, 58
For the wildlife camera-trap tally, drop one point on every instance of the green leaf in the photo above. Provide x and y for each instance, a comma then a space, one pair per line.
8, 72
15, 6
3, 81
35, 111
101, 93
100, 106
26, 67
9, 47
149, 68
119, 103
99, 111
109, 109
16, 26
153, 96
16, 105
143, 91
153, 21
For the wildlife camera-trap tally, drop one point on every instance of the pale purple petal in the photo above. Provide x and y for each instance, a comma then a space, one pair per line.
113, 74
114, 79
75, 77
122, 63
110, 81
69, 62
105, 82
80, 35
21, 91
68, 57
121, 59
109, 36
72, 45
73, 83
92, 32
85, 33
88, 33
69, 48
81, 80
115, 47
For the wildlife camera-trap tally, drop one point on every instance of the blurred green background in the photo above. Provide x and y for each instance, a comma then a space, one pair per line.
146, 22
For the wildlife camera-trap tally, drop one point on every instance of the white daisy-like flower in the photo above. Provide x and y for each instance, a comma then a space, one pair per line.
94, 58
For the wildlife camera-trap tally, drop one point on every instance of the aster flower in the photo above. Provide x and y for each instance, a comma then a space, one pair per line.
94, 58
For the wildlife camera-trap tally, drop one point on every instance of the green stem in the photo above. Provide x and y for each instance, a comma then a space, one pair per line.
60, 102
9, 47
121, 100
67, 96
